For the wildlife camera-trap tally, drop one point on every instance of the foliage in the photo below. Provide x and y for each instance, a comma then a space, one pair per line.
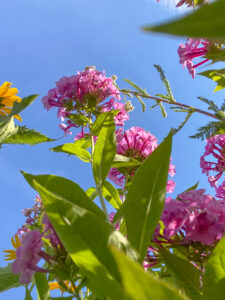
149, 246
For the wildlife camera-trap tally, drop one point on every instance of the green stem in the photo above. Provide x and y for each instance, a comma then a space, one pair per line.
98, 187
194, 109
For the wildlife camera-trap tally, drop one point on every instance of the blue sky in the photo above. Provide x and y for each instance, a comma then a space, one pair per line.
41, 41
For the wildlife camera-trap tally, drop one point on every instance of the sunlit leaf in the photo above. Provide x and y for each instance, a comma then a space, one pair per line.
73, 149
28, 136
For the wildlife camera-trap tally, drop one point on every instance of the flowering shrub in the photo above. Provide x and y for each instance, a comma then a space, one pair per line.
149, 245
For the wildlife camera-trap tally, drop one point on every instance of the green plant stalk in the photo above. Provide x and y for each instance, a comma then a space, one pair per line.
98, 187
194, 109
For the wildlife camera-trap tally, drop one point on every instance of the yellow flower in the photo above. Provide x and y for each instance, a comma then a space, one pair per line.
7, 99
55, 286
11, 254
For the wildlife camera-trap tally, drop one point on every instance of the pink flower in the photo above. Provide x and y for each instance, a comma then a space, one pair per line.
50, 232
138, 144
170, 186
200, 217
85, 94
122, 115
27, 256
173, 217
191, 50
215, 148
204, 228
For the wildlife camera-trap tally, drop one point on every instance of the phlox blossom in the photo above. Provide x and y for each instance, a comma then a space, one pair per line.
138, 144
27, 256
193, 48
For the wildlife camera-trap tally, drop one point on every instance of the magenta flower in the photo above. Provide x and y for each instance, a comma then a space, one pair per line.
122, 115
191, 50
215, 148
138, 144
50, 233
85, 94
27, 256
200, 218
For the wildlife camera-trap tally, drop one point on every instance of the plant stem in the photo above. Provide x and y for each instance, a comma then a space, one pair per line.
99, 190
98, 187
194, 109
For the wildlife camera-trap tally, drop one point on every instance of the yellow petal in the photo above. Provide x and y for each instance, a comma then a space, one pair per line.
10, 254
4, 88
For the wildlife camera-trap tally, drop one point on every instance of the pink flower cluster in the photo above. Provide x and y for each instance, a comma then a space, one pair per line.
138, 144
85, 93
190, 50
215, 148
27, 256
196, 216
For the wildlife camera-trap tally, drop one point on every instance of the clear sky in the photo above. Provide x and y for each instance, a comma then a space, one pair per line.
41, 41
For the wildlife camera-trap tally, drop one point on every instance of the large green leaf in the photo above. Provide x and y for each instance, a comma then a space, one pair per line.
86, 237
214, 277
206, 22
7, 129
65, 188
216, 75
104, 151
185, 275
146, 196
73, 149
42, 286
25, 135
137, 284
20, 106
8, 279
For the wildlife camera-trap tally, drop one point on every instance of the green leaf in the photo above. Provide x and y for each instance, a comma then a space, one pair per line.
87, 238
92, 193
162, 108
111, 194
42, 286
146, 196
20, 106
121, 161
84, 142
212, 128
97, 125
7, 129
216, 75
165, 82
187, 117
142, 102
211, 103
25, 135
214, 277
104, 151
73, 149
137, 87
8, 279
138, 284
65, 188
185, 275
80, 120
206, 22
